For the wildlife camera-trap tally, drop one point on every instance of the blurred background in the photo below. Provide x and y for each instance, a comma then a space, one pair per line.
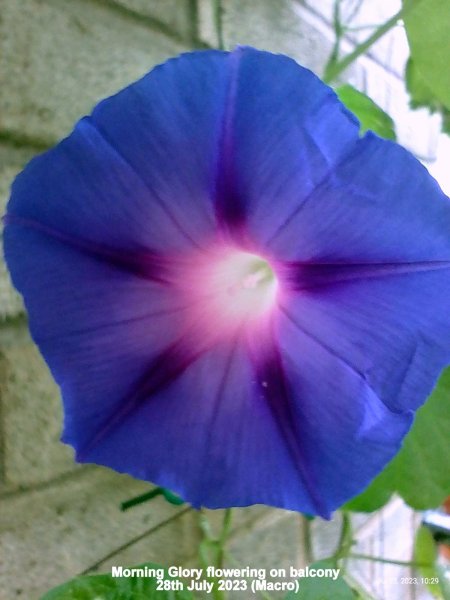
57, 59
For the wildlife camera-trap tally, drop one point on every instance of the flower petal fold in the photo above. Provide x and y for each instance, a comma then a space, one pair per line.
378, 205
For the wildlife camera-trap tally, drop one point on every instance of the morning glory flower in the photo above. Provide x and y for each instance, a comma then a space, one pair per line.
240, 298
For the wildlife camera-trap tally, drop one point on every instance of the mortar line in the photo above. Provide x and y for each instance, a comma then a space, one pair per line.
142, 19
135, 540
49, 483
2, 425
14, 139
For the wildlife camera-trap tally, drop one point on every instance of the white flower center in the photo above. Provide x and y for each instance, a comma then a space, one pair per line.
243, 286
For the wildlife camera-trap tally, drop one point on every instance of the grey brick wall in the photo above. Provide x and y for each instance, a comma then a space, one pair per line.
57, 59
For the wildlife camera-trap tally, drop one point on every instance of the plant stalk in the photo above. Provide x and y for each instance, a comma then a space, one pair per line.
218, 22
388, 561
335, 68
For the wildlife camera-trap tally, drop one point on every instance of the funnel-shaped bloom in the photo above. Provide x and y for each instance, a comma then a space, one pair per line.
241, 299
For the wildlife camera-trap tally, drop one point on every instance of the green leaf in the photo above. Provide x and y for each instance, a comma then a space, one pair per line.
370, 115
421, 95
425, 553
157, 491
427, 24
106, 587
322, 588
374, 497
171, 497
420, 473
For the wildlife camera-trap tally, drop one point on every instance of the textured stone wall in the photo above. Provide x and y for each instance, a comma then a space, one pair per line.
57, 59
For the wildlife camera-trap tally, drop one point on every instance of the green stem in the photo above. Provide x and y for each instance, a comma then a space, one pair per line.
306, 540
362, 27
204, 553
345, 539
218, 21
338, 34
140, 499
212, 548
226, 525
389, 561
335, 68
355, 11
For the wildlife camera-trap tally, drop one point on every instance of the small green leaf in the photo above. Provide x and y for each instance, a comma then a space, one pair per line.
370, 115
425, 553
171, 497
427, 24
420, 473
106, 587
157, 491
322, 588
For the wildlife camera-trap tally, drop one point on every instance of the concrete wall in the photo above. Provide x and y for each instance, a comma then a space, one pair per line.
57, 59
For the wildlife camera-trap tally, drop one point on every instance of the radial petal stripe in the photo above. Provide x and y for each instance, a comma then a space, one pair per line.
146, 264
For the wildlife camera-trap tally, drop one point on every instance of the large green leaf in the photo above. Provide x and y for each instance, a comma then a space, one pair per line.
106, 587
322, 588
420, 472
370, 115
427, 24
